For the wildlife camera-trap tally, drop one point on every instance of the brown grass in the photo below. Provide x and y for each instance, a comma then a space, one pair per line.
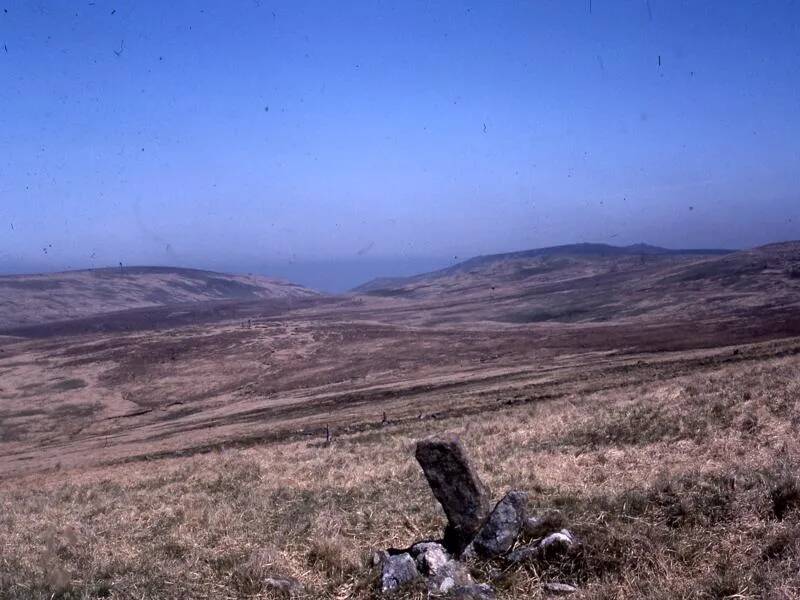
683, 487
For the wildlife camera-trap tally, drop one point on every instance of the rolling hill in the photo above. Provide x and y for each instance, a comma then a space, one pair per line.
45, 298
599, 283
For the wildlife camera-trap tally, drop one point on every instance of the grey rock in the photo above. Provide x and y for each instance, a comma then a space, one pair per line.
449, 576
469, 553
397, 571
288, 586
557, 543
551, 546
559, 589
502, 528
431, 557
456, 486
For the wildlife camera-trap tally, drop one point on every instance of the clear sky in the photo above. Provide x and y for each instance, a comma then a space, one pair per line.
375, 137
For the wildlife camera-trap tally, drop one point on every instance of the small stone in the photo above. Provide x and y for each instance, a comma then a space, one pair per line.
430, 557
397, 571
500, 531
557, 543
551, 546
559, 589
457, 487
288, 586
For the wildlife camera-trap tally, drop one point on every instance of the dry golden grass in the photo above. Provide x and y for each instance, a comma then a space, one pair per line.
683, 487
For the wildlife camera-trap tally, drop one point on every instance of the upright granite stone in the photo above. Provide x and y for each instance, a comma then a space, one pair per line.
456, 486
503, 526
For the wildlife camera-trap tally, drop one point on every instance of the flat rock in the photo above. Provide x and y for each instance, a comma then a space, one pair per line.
397, 571
456, 486
502, 528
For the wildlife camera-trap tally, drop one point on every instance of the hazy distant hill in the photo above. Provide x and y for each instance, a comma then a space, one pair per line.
597, 282
518, 264
31, 299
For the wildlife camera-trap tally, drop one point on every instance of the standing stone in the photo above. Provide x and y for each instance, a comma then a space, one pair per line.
456, 486
397, 571
504, 525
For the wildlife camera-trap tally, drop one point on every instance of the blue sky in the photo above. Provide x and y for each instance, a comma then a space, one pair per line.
296, 138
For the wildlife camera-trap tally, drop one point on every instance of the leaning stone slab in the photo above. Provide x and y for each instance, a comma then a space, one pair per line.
397, 571
456, 486
502, 528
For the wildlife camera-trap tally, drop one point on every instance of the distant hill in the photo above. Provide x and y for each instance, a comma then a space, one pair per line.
523, 259
35, 299
600, 283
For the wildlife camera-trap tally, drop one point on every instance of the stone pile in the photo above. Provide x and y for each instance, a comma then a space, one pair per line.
474, 531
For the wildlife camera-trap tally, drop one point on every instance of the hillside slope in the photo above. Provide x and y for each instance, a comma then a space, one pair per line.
34, 299
597, 283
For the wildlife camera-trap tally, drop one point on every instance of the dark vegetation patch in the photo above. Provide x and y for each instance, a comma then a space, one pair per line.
67, 385
10, 431
75, 411
683, 518
565, 315
785, 496
19, 414
391, 293
646, 423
